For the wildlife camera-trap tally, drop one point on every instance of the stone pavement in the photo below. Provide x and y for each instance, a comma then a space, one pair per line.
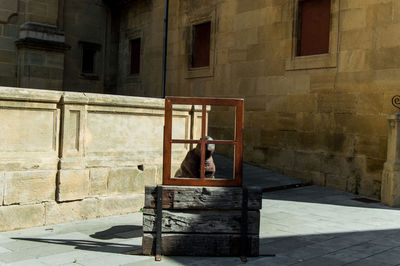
308, 225
255, 176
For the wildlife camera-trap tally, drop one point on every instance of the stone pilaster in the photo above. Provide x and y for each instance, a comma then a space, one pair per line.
390, 192
41, 51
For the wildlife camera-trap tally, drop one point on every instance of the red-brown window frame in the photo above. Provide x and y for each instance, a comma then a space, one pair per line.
237, 142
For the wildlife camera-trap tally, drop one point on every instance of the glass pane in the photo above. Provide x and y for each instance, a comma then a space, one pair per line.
223, 160
185, 162
221, 123
186, 122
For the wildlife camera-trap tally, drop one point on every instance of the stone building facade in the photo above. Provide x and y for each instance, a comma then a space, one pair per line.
318, 113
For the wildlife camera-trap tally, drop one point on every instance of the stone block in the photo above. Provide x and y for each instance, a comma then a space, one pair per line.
371, 188
307, 161
243, 6
237, 55
116, 205
7, 44
338, 103
309, 141
21, 216
255, 103
242, 39
371, 146
7, 70
72, 185
11, 31
255, 52
248, 69
123, 180
388, 36
370, 103
1, 188
355, 18
356, 39
148, 177
354, 61
336, 181
276, 103
390, 186
373, 125
374, 165
322, 82
356, 81
278, 157
55, 60
302, 103
29, 187
248, 20
385, 58
339, 143
98, 181
71, 211
128, 180
338, 164
9, 57
35, 58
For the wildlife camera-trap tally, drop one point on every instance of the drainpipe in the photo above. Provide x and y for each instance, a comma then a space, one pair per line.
164, 65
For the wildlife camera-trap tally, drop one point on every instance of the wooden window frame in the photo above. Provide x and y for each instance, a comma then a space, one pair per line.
237, 142
317, 61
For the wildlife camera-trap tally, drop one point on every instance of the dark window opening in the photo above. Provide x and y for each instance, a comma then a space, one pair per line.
201, 45
135, 56
89, 51
313, 27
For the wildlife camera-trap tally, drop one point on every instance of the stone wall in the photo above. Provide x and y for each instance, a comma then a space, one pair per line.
321, 118
67, 156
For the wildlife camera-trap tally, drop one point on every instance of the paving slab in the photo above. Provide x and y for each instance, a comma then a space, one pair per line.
254, 175
308, 225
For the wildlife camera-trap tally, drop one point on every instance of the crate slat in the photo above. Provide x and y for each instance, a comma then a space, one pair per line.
201, 221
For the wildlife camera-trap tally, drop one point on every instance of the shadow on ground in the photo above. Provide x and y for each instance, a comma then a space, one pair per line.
121, 232
325, 195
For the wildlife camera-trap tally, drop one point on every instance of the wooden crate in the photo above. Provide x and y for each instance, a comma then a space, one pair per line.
202, 221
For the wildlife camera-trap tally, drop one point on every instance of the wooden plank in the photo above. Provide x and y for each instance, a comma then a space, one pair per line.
218, 198
201, 221
204, 100
200, 244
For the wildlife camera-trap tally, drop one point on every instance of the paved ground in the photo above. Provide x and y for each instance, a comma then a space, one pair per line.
253, 175
309, 225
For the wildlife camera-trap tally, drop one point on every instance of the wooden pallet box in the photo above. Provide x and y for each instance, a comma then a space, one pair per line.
202, 221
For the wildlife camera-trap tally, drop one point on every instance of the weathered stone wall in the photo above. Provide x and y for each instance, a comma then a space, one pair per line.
391, 171
321, 118
31, 44
144, 20
67, 156
85, 21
